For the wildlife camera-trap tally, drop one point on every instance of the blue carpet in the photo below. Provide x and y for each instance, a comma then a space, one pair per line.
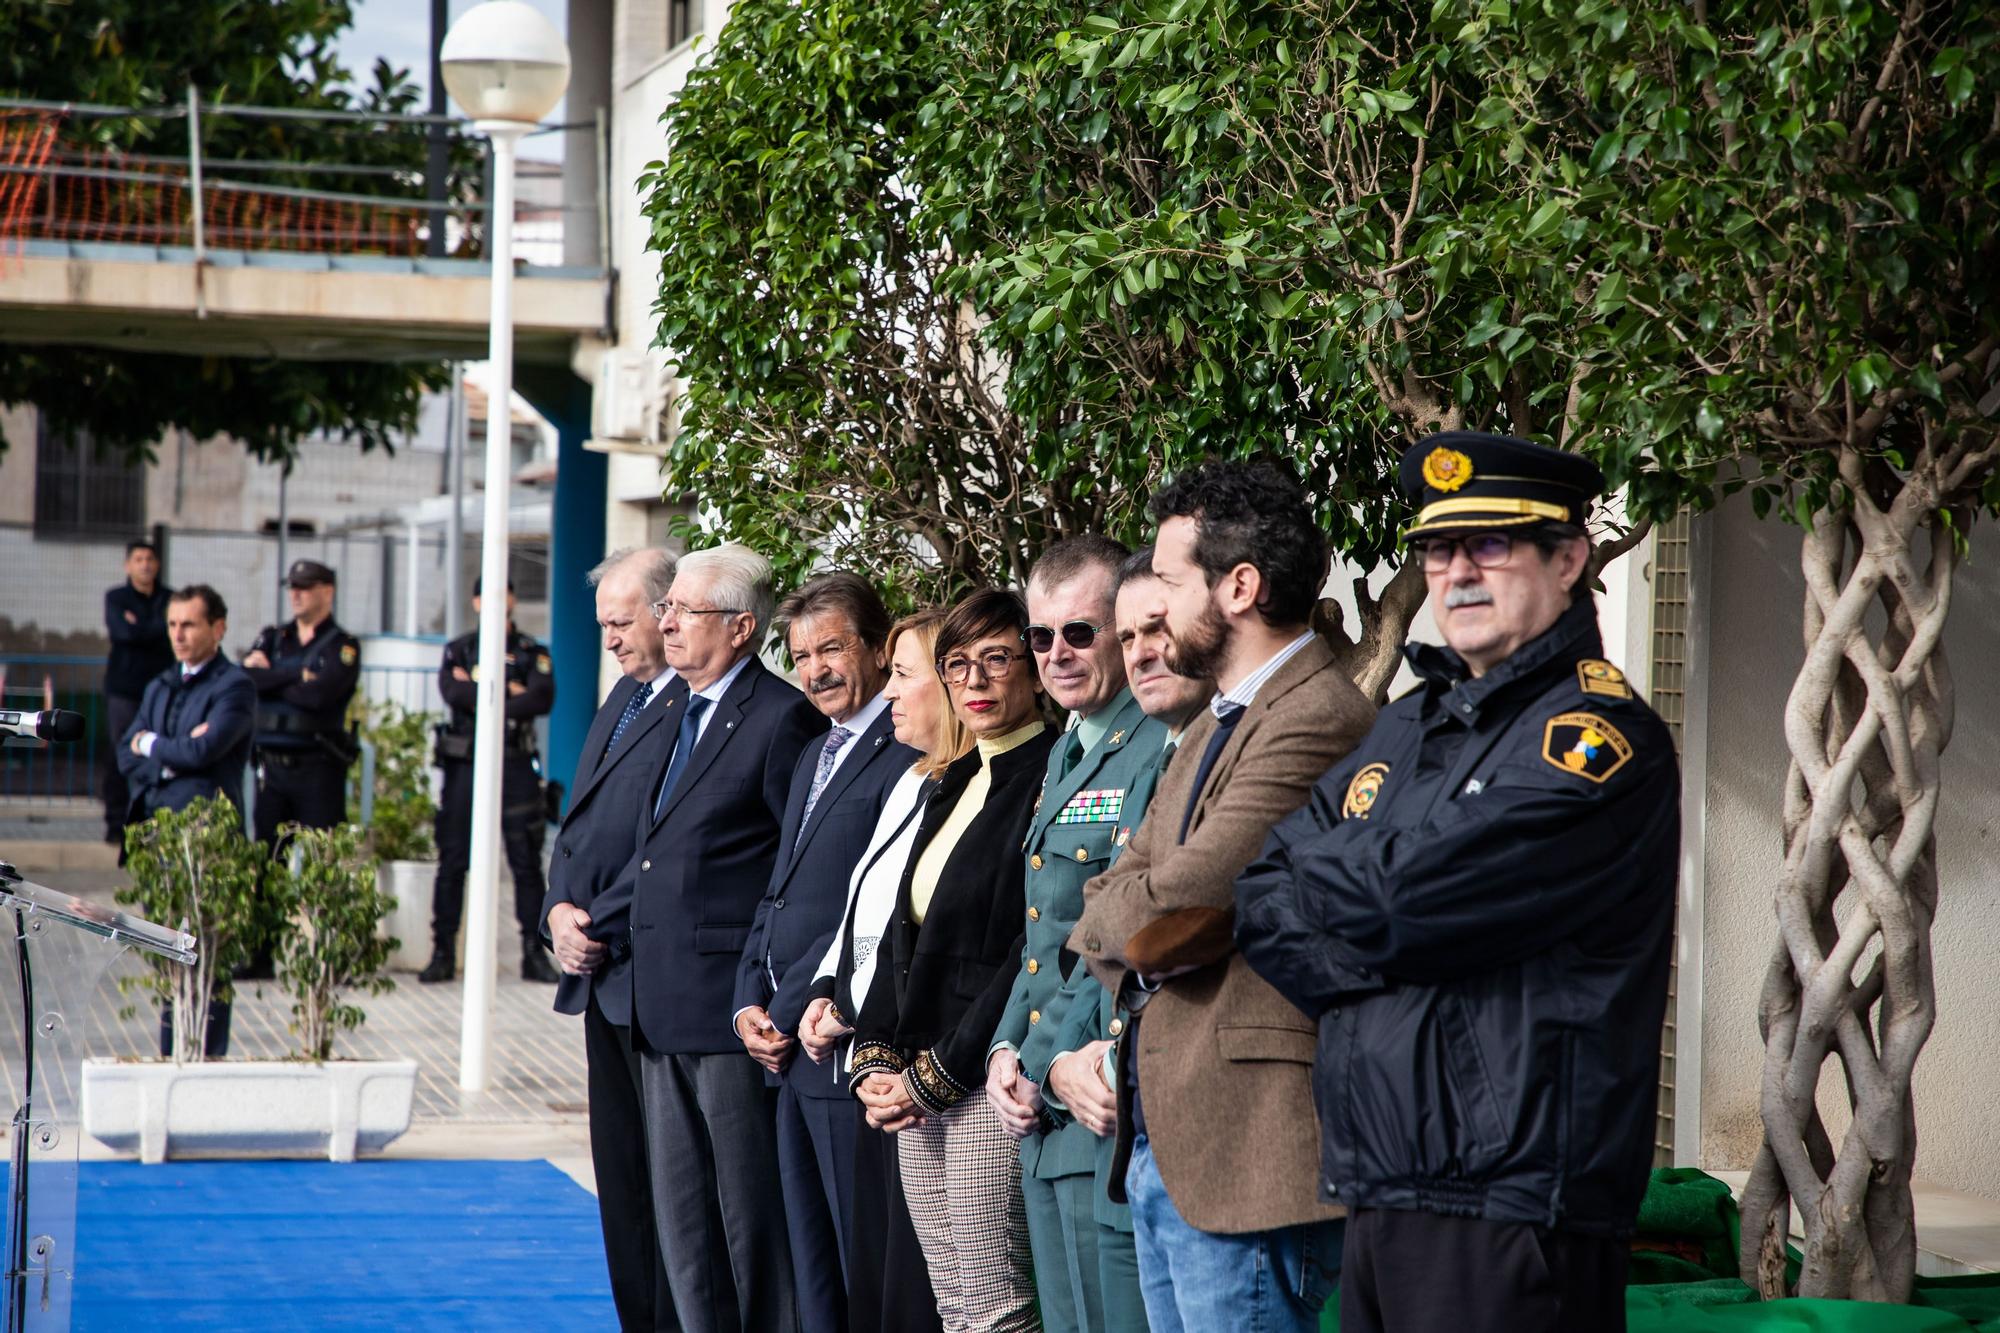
315, 1245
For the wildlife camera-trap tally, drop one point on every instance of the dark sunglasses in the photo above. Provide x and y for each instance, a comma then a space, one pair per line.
1078, 634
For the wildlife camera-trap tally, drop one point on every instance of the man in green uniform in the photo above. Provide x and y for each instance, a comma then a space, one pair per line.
1110, 744
1077, 1072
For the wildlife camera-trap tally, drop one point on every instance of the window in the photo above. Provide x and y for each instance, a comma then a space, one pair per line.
79, 493
683, 21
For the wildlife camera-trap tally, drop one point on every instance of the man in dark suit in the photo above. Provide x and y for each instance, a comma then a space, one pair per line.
713, 818
622, 751
191, 736
836, 628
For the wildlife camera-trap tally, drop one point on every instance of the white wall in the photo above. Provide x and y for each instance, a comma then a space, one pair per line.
1754, 648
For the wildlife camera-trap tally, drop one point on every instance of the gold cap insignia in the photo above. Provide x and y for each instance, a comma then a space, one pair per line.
1361, 792
1447, 469
1586, 745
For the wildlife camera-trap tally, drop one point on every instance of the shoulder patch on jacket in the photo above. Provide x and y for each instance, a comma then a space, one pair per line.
1595, 676
1585, 744
1361, 792
349, 654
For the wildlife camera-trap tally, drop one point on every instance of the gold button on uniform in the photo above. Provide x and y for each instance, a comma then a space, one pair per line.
1117, 1026
1034, 1016
1082, 854
1033, 967
1034, 914
1036, 860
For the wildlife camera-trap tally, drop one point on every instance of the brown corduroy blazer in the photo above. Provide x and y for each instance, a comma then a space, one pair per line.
1224, 1060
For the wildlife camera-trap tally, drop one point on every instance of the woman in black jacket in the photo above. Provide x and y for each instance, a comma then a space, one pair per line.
954, 940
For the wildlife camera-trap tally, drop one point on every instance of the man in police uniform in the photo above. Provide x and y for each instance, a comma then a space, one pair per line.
1478, 903
305, 672
531, 693
1111, 744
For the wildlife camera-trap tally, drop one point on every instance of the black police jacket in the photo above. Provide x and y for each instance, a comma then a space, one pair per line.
1478, 905
528, 665
302, 696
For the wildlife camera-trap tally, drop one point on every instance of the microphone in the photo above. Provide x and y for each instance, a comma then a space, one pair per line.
53, 724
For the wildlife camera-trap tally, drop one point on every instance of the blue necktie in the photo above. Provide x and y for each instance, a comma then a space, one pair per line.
1225, 725
683, 747
633, 707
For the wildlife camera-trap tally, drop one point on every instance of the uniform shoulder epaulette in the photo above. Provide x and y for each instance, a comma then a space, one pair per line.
1596, 676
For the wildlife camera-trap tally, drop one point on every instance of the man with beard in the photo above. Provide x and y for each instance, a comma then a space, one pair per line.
1216, 1131
836, 628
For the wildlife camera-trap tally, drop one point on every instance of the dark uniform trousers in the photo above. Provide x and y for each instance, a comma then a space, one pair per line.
1530, 1279
299, 787
523, 827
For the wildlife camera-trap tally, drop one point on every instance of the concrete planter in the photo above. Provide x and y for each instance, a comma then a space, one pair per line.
247, 1107
410, 884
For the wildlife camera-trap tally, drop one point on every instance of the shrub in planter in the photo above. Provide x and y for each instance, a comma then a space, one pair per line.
329, 947
195, 868
399, 828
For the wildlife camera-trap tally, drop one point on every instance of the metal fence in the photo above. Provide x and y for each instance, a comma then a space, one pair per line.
30, 771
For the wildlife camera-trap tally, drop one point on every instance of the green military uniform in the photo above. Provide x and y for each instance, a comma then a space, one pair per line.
1072, 837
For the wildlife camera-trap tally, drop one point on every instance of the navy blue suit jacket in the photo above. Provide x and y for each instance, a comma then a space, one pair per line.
184, 767
597, 836
807, 897
703, 863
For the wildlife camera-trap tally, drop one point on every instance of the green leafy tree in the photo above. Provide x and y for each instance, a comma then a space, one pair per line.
330, 946
194, 869
277, 53
404, 814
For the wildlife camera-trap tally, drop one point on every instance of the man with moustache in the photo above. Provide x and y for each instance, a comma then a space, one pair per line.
709, 837
836, 629
1215, 1126
592, 939
1479, 901
1110, 745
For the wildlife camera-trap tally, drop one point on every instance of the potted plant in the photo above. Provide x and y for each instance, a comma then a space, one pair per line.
401, 818
199, 867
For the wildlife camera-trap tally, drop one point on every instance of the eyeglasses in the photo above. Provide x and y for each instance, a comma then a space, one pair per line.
1078, 634
1487, 550
994, 664
660, 609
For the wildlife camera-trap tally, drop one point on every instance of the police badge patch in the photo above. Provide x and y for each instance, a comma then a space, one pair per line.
1585, 744
1361, 792
349, 654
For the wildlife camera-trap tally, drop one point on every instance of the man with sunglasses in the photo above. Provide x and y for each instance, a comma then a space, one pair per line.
1478, 904
1109, 747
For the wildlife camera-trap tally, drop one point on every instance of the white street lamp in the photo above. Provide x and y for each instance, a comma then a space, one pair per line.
506, 66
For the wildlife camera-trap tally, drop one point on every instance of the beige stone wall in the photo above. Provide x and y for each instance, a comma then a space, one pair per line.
1754, 647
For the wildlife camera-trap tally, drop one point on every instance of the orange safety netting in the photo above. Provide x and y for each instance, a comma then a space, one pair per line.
90, 194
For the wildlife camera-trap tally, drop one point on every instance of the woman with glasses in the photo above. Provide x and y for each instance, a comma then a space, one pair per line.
888, 1282
949, 953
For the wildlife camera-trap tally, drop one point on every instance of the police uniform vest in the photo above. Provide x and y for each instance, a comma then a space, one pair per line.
528, 664
331, 661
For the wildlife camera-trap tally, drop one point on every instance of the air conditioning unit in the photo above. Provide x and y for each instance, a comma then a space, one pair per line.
618, 409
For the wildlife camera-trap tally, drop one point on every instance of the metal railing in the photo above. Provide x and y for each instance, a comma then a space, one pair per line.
59, 185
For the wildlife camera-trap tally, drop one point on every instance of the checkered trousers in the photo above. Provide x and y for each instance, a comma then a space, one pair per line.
962, 1180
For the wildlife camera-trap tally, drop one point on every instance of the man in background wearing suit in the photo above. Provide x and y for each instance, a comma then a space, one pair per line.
590, 939
836, 628
1216, 1122
709, 837
191, 735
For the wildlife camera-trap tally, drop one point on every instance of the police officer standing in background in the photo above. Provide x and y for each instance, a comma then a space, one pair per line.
305, 672
531, 693
1478, 905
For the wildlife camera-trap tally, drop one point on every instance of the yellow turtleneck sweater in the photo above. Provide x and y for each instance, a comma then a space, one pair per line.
924, 880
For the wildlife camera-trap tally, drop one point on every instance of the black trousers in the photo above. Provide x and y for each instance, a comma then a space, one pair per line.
888, 1283
306, 787
523, 826
1505, 1277
119, 710
624, 1185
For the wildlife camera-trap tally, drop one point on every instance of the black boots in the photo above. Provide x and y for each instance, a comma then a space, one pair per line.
535, 964
440, 967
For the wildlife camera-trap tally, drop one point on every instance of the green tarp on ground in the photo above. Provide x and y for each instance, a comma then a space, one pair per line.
1683, 1278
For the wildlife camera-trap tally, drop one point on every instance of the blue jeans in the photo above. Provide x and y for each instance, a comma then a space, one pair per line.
1259, 1282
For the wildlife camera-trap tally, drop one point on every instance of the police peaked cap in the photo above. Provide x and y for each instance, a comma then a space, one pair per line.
308, 573
1461, 480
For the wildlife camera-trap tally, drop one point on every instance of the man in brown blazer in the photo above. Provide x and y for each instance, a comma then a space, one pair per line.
1216, 1132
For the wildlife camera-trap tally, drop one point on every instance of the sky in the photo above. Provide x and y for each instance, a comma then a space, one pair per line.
399, 31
